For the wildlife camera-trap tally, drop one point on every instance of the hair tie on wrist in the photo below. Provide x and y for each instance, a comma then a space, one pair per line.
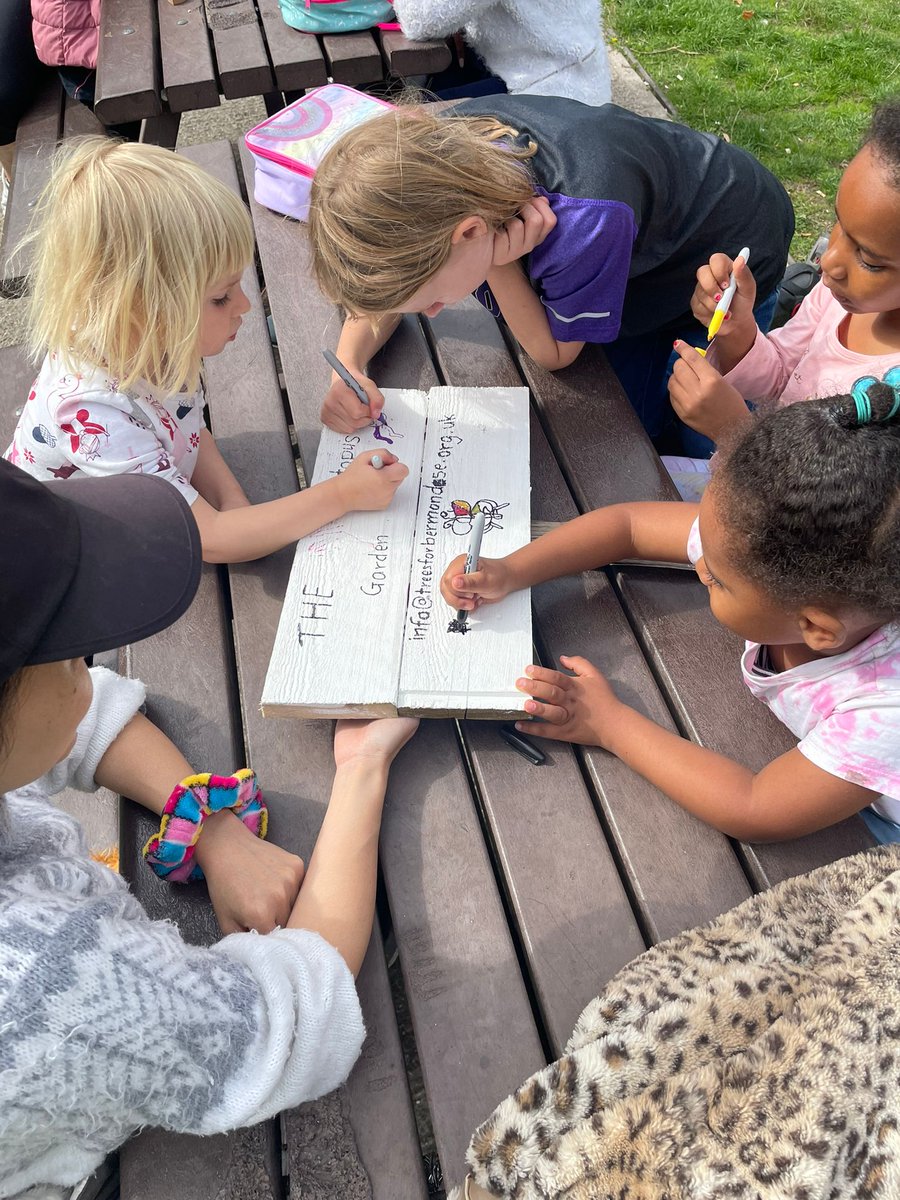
171, 851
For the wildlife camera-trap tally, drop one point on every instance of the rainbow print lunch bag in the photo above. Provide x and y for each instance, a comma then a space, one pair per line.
288, 146
336, 16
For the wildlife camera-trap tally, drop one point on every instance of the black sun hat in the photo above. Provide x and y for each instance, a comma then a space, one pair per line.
90, 564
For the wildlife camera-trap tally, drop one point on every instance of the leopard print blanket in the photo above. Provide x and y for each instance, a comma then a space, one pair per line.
757, 1058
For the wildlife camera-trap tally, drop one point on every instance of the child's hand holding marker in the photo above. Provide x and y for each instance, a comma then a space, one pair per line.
371, 490
701, 397
490, 583
353, 401
734, 327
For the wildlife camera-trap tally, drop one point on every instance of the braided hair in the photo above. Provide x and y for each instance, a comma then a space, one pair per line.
810, 495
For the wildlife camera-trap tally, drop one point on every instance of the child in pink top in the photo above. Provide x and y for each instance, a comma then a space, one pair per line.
800, 527
847, 329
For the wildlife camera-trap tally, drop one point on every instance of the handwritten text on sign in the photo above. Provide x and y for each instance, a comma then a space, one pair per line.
364, 628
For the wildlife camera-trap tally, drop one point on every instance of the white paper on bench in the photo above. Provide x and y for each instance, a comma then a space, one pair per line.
476, 457
364, 591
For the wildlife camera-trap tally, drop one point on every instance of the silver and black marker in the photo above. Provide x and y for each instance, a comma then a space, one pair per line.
460, 624
353, 384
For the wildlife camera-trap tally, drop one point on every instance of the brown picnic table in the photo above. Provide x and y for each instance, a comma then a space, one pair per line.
514, 892
157, 60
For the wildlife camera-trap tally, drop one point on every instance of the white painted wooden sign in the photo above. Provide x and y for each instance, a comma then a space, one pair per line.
364, 630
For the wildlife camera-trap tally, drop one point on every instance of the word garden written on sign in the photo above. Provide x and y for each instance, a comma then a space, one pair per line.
364, 628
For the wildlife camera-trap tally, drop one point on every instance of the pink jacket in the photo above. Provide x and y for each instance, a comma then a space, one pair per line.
66, 32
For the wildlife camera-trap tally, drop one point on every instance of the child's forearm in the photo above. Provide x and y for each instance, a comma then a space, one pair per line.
729, 351
244, 534
214, 479
524, 314
707, 784
143, 764
337, 898
359, 341
654, 531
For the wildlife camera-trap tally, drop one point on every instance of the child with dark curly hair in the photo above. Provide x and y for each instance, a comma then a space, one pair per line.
796, 540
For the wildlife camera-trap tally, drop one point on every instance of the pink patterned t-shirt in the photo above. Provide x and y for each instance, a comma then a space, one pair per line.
82, 422
845, 709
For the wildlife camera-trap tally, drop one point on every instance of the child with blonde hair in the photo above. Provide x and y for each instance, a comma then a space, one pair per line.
846, 330
796, 541
575, 224
139, 255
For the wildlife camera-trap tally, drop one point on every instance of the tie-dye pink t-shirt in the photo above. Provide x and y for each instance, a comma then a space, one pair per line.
845, 709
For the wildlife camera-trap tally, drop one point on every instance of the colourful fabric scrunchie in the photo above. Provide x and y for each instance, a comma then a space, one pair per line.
171, 851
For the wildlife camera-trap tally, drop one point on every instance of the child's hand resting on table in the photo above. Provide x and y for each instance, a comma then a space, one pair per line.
366, 489
341, 409
252, 884
581, 707
701, 397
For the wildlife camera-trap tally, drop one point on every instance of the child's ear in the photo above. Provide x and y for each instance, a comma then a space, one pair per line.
822, 631
468, 229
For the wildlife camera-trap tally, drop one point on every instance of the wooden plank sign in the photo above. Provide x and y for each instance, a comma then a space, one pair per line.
364, 630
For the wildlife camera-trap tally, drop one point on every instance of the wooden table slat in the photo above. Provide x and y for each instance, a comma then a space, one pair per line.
459, 963
403, 57
613, 461
352, 58
294, 758
582, 615
78, 120
188, 70
297, 58
36, 140
128, 76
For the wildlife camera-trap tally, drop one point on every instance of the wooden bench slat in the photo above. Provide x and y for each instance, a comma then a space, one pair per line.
188, 71
297, 58
177, 1166
698, 662
128, 79
352, 58
240, 50
295, 758
36, 140
403, 57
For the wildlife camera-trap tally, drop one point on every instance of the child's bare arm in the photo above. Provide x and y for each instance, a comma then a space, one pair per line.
788, 798
252, 884
337, 899
213, 478
359, 341
244, 534
702, 398
656, 531
525, 315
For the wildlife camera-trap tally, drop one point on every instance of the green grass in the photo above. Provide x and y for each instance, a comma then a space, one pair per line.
794, 82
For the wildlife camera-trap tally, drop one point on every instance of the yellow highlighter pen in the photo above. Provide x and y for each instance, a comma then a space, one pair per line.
724, 304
